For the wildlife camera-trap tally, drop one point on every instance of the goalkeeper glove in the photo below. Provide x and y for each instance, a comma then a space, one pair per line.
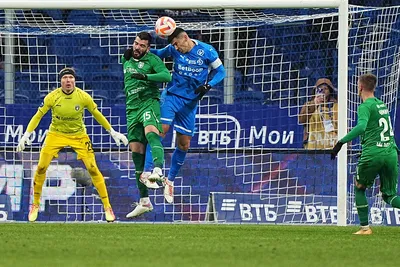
118, 137
336, 149
128, 53
139, 76
202, 90
24, 139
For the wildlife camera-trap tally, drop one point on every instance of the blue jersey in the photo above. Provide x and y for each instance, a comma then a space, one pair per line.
190, 69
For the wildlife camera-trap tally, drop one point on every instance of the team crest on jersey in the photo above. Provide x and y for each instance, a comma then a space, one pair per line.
77, 107
200, 52
140, 65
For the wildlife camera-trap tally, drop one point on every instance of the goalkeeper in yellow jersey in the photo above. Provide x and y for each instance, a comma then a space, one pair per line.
67, 128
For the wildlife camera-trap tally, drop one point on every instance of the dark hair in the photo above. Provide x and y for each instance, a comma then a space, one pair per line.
176, 32
369, 81
145, 36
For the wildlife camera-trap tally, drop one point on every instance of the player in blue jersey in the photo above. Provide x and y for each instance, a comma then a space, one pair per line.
193, 61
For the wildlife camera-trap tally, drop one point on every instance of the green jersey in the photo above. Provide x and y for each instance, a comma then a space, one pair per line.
374, 126
138, 91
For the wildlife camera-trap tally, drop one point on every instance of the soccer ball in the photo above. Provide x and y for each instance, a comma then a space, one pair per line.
165, 26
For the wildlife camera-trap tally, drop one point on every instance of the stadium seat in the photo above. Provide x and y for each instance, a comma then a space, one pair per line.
86, 65
214, 96
26, 91
84, 17
108, 85
249, 97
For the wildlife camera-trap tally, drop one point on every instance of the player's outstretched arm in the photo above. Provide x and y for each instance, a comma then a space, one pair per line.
118, 137
163, 52
218, 77
33, 123
359, 129
161, 72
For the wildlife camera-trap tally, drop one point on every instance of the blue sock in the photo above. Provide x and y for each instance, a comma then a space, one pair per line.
148, 163
178, 157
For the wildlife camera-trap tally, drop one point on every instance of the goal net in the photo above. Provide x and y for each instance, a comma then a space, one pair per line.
248, 161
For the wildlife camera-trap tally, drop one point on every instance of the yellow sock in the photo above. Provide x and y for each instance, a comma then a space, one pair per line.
40, 176
98, 180
37, 187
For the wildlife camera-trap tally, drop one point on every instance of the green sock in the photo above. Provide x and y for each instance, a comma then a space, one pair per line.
362, 206
157, 149
138, 159
393, 201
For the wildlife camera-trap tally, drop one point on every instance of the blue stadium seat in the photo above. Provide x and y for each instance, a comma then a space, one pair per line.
109, 85
26, 91
213, 97
120, 99
84, 17
86, 65
249, 97
56, 14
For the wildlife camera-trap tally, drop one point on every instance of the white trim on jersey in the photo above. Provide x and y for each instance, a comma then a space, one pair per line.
180, 127
165, 119
216, 63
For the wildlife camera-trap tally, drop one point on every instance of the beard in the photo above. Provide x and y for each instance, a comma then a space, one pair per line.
137, 54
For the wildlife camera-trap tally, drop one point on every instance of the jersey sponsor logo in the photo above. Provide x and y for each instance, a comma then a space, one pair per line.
189, 69
200, 52
130, 70
136, 90
67, 118
77, 107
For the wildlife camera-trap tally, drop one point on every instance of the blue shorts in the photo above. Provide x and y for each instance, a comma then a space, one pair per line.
179, 112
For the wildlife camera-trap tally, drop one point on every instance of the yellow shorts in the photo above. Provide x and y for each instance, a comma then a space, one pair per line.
81, 144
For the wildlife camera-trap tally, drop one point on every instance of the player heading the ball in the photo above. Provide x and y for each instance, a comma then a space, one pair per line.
193, 60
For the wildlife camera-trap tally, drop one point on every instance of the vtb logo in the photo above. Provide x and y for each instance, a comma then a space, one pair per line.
228, 204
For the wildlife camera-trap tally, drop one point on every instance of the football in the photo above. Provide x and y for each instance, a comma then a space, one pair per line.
165, 26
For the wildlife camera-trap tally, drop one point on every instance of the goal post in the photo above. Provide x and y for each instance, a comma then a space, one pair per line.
233, 134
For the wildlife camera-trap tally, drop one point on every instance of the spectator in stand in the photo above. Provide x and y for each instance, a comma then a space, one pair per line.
319, 117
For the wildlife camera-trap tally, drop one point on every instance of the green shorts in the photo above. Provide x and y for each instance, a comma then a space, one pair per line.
137, 119
386, 166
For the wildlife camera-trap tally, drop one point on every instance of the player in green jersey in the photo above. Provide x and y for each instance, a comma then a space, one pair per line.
379, 150
142, 71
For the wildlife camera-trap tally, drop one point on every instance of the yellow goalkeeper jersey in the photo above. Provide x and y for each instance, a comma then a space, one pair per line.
67, 112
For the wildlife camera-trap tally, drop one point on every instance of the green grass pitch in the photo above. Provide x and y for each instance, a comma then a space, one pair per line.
194, 245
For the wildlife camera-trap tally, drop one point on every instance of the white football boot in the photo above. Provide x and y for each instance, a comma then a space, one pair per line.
168, 190
157, 175
142, 207
144, 178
